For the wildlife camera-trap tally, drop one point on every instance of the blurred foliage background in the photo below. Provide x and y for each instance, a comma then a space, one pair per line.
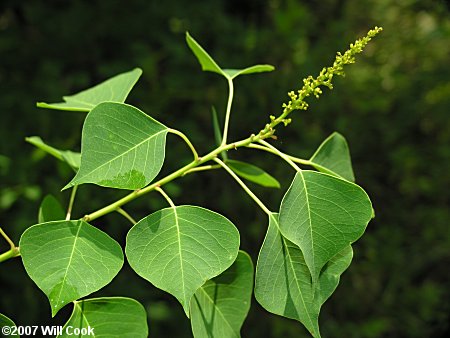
393, 108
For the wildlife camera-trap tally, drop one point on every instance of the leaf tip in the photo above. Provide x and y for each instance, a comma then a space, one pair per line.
68, 185
54, 307
138, 70
189, 38
41, 105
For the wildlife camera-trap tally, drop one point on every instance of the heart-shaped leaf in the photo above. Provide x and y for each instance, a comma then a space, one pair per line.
121, 147
253, 173
220, 306
323, 214
73, 159
333, 157
209, 65
115, 89
5, 321
178, 249
50, 210
107, 317
69, 259
283, 282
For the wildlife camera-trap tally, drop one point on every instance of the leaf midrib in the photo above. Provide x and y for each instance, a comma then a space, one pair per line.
69, 99
283, 240
70, 261
121, 154
84, 317
313, 273
296, 281
180, 254
219, 311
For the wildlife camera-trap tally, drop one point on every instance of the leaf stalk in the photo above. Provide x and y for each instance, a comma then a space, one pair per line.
244, 186
281, 154
228, 112
186, 139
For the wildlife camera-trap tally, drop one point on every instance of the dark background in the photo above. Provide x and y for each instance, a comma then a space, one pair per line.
392, 107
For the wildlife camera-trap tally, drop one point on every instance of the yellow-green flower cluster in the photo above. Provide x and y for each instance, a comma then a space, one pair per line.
311, 86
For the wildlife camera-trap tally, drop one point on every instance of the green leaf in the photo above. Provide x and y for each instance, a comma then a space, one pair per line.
115, 89
253, 173
283, 283
333, 157
217, 132
323, 214
220, 306
5, 321
178, 249
206, 61
108, 317
69, 259
209, 65
50, 210
121, 147
73, 159
233, 73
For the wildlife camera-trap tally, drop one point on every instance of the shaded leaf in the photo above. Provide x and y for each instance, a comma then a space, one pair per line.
115, 89
5, 321
178, 249
121, 147
73, 159
108, 317
206, 61
283, 282
217, 132
253, 173
333, 157
50, 210
69, 259
323, 214
209, 65
220, 306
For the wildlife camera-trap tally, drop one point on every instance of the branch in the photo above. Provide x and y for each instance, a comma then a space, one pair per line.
11, 253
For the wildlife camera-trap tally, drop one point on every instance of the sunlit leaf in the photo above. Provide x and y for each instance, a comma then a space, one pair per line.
323, 214
115, 89
50, 210
233, 73
333, 157
178, 249
69, 259
121, 147
253, 173
5, 321
209, 65
219, 307
283, 282
73, 159
108, 317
